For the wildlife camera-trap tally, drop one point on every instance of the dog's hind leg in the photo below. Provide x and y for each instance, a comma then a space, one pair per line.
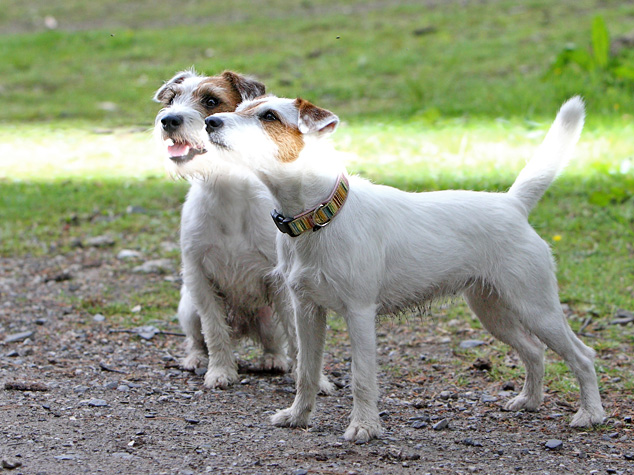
551, 327
538, 310
272, 338
190, 323
504, 324
364, 421
310, 322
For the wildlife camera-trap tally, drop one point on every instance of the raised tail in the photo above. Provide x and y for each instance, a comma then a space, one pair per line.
552, 155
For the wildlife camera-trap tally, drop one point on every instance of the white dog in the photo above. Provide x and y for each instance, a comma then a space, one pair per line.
227, 241
372, 250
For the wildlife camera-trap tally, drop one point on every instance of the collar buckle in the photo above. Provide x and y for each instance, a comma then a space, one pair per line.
282, 223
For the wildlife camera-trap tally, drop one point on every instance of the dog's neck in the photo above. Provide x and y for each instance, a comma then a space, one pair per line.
305, 183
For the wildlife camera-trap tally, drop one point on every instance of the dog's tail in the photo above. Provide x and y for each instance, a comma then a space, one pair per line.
552, 155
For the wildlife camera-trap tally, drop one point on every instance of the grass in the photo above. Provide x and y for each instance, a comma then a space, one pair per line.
432, 95
394, 59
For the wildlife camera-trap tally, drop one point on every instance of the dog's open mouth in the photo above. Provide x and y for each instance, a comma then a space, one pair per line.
180, 152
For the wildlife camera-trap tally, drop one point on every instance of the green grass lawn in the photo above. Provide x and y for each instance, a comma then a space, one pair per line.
432, 95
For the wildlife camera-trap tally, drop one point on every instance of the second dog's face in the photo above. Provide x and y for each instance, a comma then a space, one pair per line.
187, 99
268, 130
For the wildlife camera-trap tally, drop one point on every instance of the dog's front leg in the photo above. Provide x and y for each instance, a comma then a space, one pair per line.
221, 369
364, 421
310, 322
190, 323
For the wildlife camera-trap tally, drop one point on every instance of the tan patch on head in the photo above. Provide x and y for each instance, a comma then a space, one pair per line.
221, 90
289, 140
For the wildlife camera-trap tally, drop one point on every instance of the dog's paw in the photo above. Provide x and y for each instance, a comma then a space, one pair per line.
272, 362
193, 360
522, 402
326, 387
585, 418
220, 378
361, 432
288, 418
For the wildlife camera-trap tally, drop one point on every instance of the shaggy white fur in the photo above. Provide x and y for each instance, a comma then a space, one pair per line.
388, 250
227, 240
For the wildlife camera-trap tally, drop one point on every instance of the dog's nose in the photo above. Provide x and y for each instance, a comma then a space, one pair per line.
213, 123
171, 122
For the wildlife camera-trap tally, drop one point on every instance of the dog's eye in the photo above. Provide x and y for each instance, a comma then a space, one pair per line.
269, 116
211, 101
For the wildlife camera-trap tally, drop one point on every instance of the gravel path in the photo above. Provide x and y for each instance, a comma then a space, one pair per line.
76, 397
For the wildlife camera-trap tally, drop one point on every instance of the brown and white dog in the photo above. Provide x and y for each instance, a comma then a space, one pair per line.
364, 250
227, 241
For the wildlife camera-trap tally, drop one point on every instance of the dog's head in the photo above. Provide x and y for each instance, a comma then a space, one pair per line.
187, 99
268, 131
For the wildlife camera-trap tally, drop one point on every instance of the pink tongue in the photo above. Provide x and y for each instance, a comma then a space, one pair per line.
178, 150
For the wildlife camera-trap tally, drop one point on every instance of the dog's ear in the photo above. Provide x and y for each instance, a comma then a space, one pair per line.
315, 120
247, 87
177, 79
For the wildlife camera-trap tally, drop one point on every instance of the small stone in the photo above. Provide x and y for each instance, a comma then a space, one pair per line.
301, 471
508, 386
100, 241
245, 381
134, 209
124, 388
66, 457
125, 254
191, 420
445, 394
482, 364
10, 464
19, 337
472, 443
200, 371
41, 321
157, 266
12, 354
554, 444
94, 403
419, 424
147, 332
98, 317
465, 344
441, 424
80, 389
629, 456
488, 398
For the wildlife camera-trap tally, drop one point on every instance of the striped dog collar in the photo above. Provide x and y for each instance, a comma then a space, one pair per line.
317, 217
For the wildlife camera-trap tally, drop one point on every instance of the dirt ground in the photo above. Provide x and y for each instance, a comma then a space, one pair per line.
78, 397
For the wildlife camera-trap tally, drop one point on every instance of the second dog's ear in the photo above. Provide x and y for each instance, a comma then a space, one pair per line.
177, 79
313, 119
247, 87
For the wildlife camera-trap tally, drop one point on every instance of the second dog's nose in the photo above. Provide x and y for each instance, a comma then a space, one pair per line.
213, 123
171, 122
